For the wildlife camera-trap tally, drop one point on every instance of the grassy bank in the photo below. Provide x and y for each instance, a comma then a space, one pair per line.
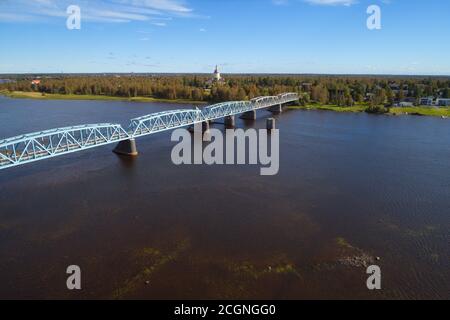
419, 111
356, 108
422, 111
40, 96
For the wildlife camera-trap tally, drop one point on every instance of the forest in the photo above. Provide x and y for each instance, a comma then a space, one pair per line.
324, 90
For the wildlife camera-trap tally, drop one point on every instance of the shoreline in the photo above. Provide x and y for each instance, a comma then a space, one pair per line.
442, 112
52, 96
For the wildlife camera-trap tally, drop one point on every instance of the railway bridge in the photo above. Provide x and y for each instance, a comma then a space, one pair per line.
47, 144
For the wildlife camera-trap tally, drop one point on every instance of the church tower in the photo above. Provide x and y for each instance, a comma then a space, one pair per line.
217, 76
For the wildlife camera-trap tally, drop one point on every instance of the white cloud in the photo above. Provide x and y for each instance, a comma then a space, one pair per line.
280, 2
159, 24
12, 17
332, 2
118, 15
99, 10
163, 5
321, 2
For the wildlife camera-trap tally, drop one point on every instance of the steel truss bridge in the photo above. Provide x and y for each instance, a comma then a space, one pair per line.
42, 145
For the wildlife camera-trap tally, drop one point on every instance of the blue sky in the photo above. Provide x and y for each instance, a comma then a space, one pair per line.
242, 36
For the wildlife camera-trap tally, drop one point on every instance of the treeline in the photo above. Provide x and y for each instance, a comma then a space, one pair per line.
336, 90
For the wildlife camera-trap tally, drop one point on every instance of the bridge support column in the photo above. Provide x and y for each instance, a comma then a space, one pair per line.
277, 109
126, 148
270, 124
204, 125
230, 121
251, 115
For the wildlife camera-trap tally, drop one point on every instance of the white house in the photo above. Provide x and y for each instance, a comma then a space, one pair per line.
428, 101
443, 102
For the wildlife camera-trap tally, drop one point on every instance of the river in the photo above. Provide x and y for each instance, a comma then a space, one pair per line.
353, 190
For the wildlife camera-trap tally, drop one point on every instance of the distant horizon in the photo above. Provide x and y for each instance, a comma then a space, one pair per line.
225, 74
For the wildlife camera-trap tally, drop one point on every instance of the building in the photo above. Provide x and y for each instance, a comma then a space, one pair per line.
443, 102
409, 99
35, 82
217, 76
306, 86
406, 104
396, 88
428, 101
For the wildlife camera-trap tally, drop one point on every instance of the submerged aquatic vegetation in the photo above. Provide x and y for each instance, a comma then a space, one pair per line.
151, 260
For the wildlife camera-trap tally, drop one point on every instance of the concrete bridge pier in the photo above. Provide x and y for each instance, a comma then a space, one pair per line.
276, 109
270, 124
204, 125
230, 121
126, 148
250, 115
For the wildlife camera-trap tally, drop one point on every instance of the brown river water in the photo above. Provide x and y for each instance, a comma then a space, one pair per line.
351, 188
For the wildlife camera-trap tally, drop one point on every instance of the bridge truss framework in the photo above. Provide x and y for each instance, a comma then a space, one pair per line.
51, 143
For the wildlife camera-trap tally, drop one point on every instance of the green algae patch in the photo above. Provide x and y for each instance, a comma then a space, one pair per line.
287, 269
148, 252
408, 232
150, 261
343, 243
434, 257
249, 270
340, 252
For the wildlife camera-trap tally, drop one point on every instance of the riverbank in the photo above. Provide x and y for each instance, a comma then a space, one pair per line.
418, 111
47, 96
